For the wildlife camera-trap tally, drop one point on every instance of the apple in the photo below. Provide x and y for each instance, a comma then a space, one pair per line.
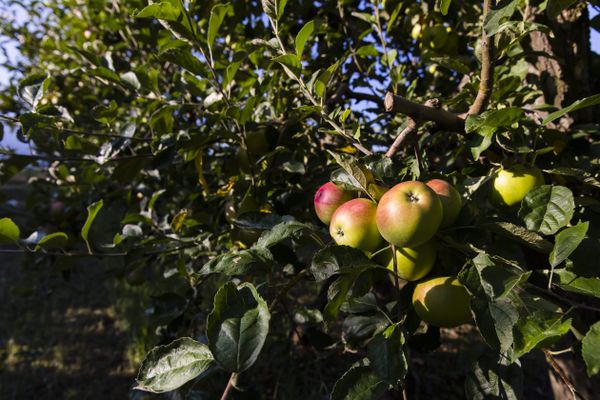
442, 302
412, 263
510, 185
450, 198
328, 198
353, 224
409, 214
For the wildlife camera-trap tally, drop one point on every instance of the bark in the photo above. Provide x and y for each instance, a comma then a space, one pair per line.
565, 76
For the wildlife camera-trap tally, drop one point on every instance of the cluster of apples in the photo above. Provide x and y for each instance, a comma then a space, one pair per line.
408, 217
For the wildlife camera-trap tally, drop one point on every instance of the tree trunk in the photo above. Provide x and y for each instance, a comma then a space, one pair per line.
564, 76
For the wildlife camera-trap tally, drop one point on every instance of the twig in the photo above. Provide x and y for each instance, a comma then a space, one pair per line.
486, 80
311, 98
419, 112
229, 386
75, 159
409, 130
561, 373
78, 132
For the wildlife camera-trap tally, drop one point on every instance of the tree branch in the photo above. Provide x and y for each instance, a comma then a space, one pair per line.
419, 112
410, 130
486, 80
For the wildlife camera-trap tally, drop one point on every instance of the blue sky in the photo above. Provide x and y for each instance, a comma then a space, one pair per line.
10, 141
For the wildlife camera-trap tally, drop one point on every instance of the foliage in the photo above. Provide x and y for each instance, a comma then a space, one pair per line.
181, 143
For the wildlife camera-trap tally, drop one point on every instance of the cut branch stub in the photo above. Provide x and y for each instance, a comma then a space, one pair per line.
419, 112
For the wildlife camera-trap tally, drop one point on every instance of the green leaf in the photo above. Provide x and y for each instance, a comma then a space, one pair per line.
32, 89
303, 36
247, 261
590, 350
444, 4
547, 208
184, 58
519, 234
92, 211
486, 124
387, 357
106, 114
9, 231
163, 10
555, 7
281, 232
486, 280
281, 8
537, 328
168, 367
53, 241
359, 383
495, 321
576, 105
356, 329
353, 176
217, 14
291, 64
503, 11
492, 377
566, 242
331, 260
237, 326
571, 282
323, 79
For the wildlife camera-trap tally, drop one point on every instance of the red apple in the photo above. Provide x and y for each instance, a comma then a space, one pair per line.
353, 224
451, 201
409, 214
328, 198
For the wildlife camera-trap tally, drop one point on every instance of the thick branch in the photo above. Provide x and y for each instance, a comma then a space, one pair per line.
486, 80
419, 112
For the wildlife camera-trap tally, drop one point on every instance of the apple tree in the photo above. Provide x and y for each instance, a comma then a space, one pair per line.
178, 145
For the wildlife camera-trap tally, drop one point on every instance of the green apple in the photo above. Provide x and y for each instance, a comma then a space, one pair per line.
328, 198
353, 224
409, 214
412, 263
442, 302
450, 198
510, 185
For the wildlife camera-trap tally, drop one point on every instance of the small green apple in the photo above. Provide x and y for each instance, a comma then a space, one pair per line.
451, 201
353, 224
442, 302
409, 214
328, 198
412, 263
510, 185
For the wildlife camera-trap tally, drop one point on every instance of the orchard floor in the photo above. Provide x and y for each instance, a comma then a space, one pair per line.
59, 339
